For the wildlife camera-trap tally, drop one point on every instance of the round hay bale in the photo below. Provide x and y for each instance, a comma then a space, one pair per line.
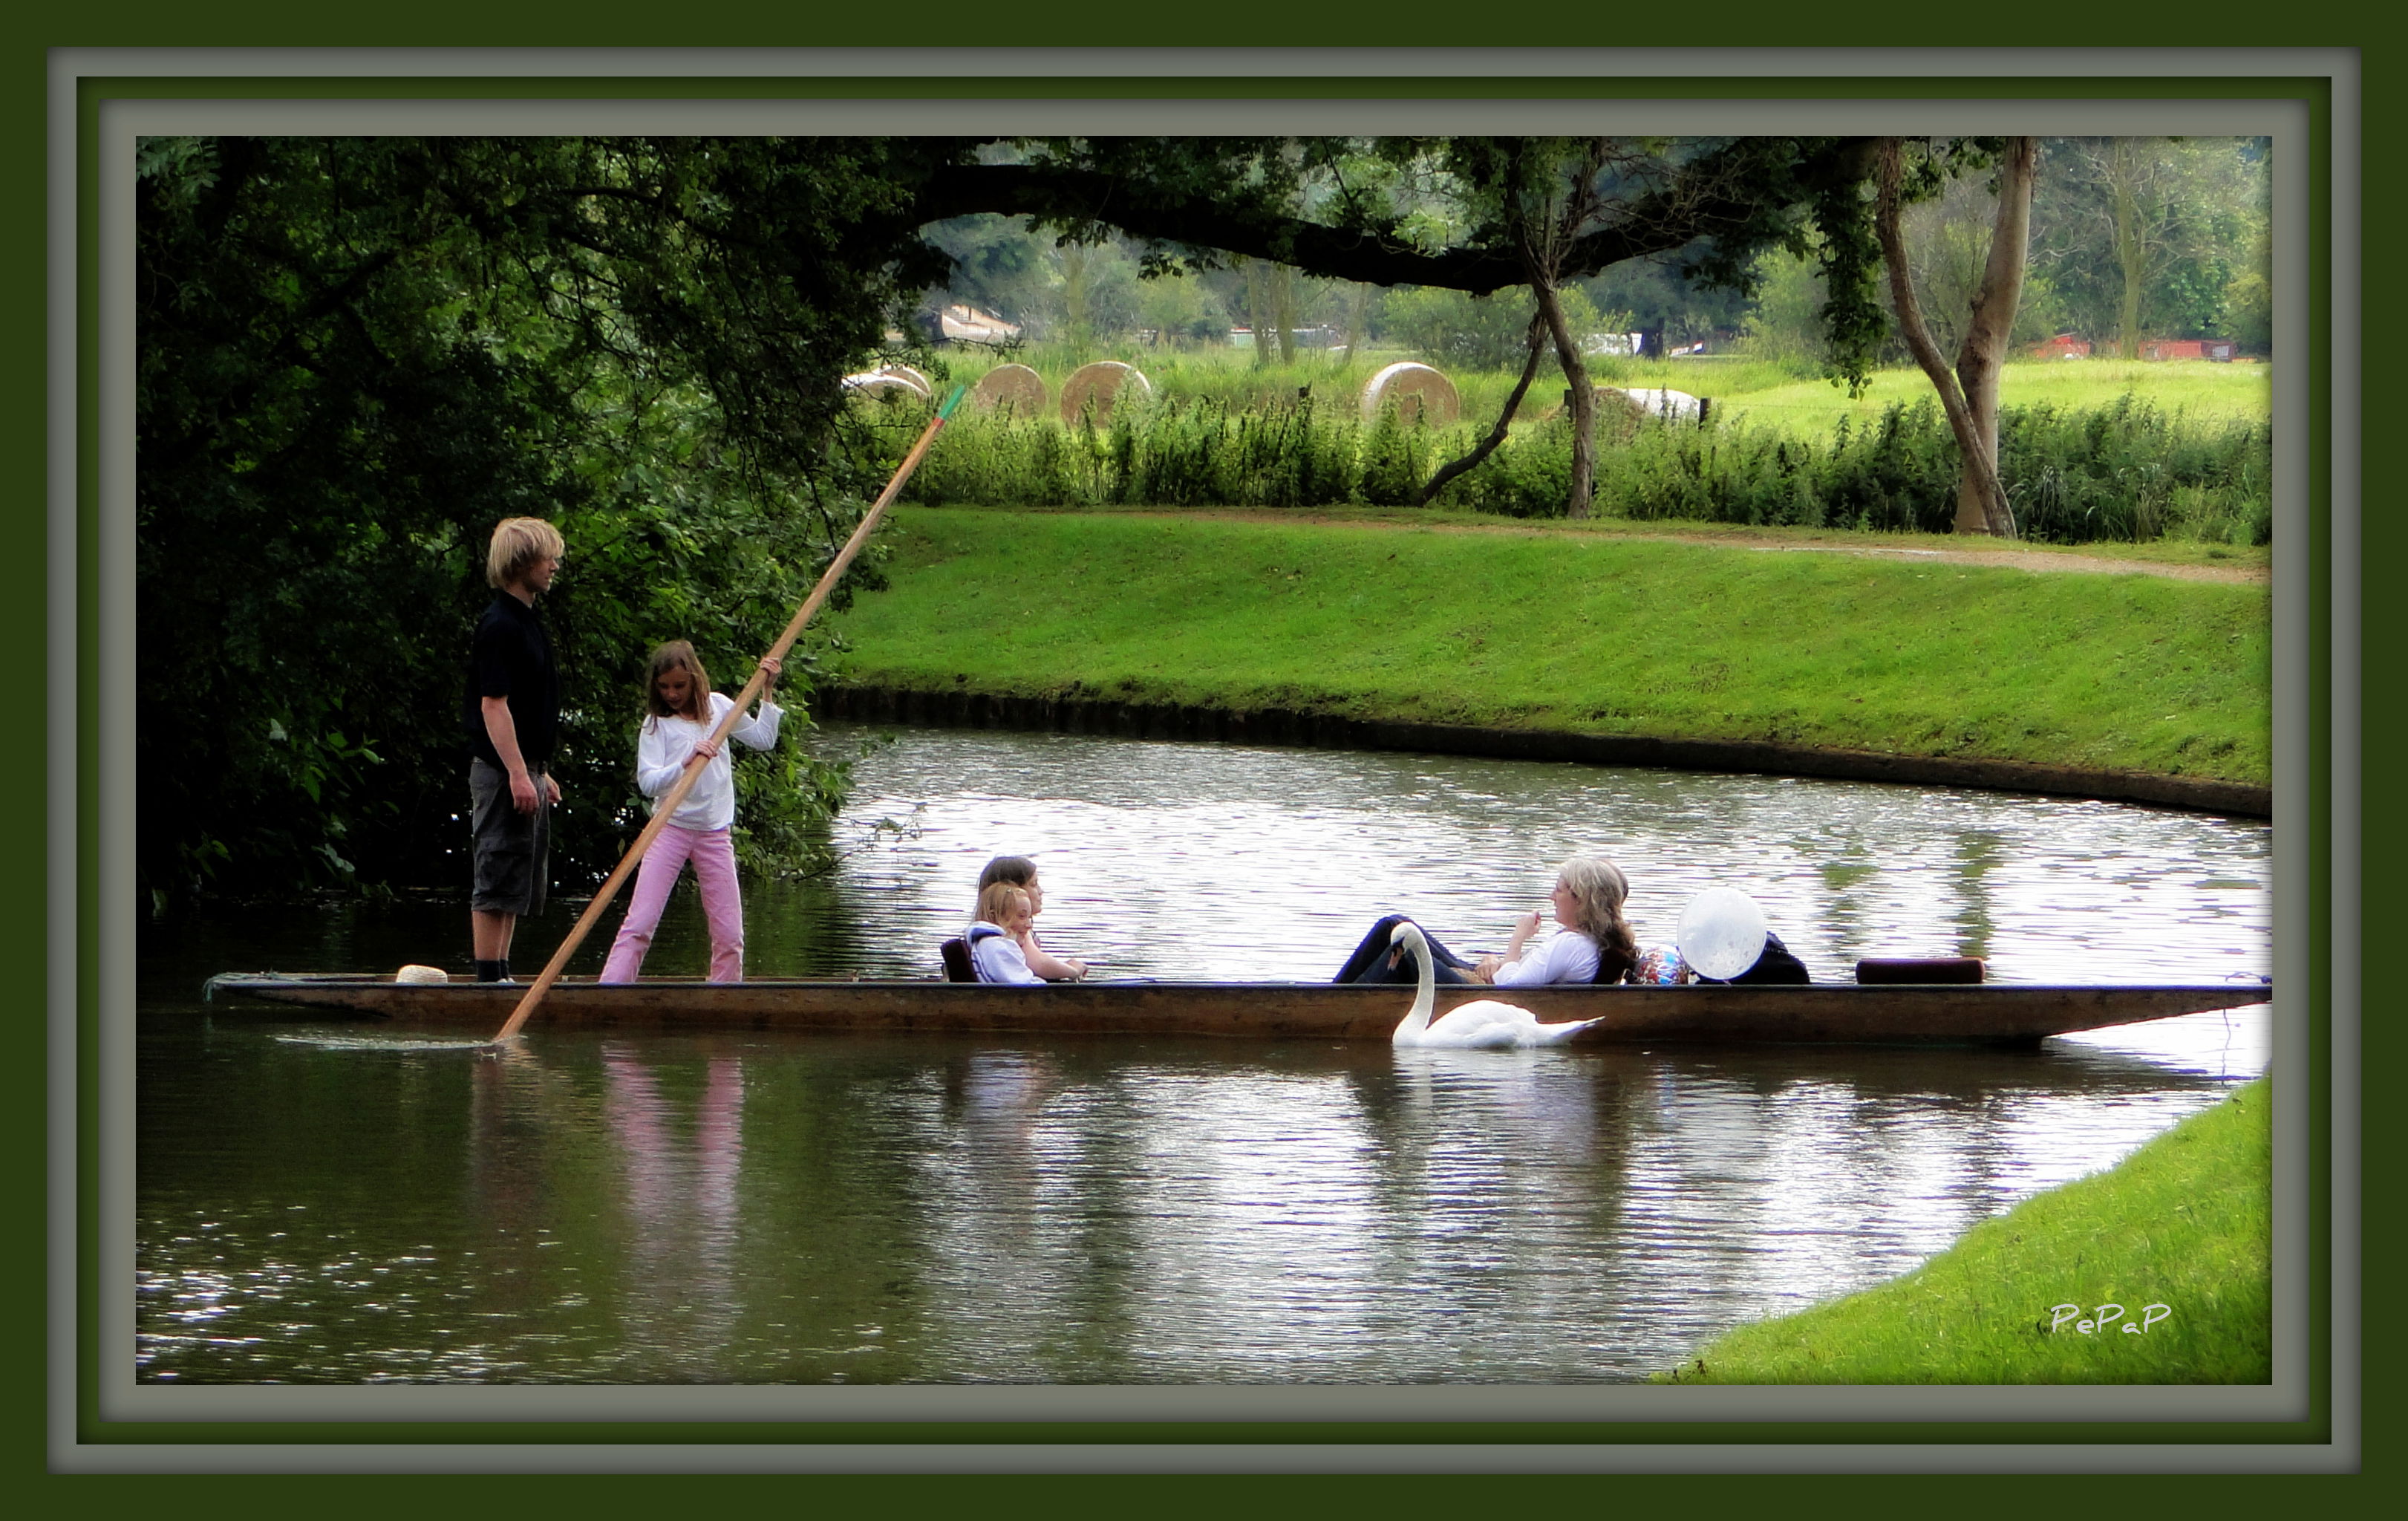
1619, 411
877, 386
1100, 382
918, 381
1014, 386
1418, 391
1618, 415
1666, 406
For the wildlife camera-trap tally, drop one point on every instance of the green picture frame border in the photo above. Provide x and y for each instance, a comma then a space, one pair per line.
89, 1429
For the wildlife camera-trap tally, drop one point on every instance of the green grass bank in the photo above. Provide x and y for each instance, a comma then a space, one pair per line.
2177, 1234
1568, 628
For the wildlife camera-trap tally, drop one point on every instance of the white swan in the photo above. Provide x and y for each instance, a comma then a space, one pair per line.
1485, 1024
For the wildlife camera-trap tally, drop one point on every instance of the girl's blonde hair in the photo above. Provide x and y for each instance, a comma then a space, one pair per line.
517, 543
1597, 888
677, 654
997, 900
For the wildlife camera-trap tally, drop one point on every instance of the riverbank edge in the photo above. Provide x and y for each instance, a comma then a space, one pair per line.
969, 707
1829, 1344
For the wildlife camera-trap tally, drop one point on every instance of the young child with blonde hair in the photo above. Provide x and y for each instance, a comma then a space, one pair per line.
1004, 911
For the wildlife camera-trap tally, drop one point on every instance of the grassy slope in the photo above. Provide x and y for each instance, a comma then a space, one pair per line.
1561, 629
2185, 1223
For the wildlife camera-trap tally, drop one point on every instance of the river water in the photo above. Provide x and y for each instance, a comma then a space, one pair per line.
324, 1203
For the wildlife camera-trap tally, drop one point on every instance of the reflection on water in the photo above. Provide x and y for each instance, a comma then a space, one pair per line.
823, 1210
316, 1204
1209, 861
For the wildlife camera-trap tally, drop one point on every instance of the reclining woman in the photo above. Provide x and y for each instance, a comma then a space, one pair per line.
1593, 945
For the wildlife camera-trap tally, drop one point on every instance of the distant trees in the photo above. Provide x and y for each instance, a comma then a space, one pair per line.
2143, 237
1477, 332
2133, 239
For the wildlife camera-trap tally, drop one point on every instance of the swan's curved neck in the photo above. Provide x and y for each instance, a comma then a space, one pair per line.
1425, 996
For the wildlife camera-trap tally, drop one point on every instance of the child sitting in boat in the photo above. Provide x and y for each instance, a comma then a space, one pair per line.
676, 734
1020, 871
1593, 945
1004, 909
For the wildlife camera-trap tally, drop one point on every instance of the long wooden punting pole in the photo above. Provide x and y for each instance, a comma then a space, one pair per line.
676, 794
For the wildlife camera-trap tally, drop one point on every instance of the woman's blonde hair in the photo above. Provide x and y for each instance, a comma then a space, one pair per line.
1597, 888
677, 654
517, 543
997, 900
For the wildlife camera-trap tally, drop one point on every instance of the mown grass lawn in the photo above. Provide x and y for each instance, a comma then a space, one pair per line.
1547, 629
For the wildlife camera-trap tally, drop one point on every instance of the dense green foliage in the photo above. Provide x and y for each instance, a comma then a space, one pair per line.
2184, 1225
357, 355
2126, 473
1591, 629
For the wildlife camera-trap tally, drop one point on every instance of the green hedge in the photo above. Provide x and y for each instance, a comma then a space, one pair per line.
2126, 472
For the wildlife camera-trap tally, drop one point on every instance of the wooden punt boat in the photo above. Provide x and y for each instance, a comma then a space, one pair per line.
1994, 1013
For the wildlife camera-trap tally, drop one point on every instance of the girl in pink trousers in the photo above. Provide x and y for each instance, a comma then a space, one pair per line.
675, 735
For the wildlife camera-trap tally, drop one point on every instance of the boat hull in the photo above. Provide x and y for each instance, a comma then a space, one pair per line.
1996, 1013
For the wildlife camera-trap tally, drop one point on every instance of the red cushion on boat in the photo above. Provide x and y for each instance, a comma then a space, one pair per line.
1919, 969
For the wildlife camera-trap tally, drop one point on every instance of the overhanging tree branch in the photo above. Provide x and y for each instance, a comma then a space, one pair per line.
1739, 192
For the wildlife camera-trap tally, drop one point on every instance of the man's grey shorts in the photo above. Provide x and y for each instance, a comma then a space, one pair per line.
513, 849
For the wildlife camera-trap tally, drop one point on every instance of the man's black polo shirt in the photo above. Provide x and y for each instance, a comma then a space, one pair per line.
510, 656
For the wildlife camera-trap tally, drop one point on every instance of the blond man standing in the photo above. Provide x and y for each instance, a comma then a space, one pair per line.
512, 717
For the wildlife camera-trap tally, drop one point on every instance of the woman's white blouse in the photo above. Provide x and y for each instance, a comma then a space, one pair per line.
1564, 956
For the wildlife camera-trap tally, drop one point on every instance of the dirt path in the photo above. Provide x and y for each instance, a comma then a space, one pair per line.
2020, 559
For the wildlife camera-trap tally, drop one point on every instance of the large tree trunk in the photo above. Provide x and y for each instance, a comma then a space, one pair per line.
1973, 407
1543, 241
1983, 354
1584, 396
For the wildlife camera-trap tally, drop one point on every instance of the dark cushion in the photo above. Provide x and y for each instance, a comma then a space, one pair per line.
1919, 969
956, 953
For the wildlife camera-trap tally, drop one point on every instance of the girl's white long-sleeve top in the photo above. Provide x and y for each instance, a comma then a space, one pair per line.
663, 744
1564, 957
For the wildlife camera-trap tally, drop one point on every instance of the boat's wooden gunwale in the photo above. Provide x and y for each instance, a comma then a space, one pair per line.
1913, 1013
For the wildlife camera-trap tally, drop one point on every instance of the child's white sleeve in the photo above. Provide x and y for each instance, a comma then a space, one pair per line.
660, 755
760, 731
997, 959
